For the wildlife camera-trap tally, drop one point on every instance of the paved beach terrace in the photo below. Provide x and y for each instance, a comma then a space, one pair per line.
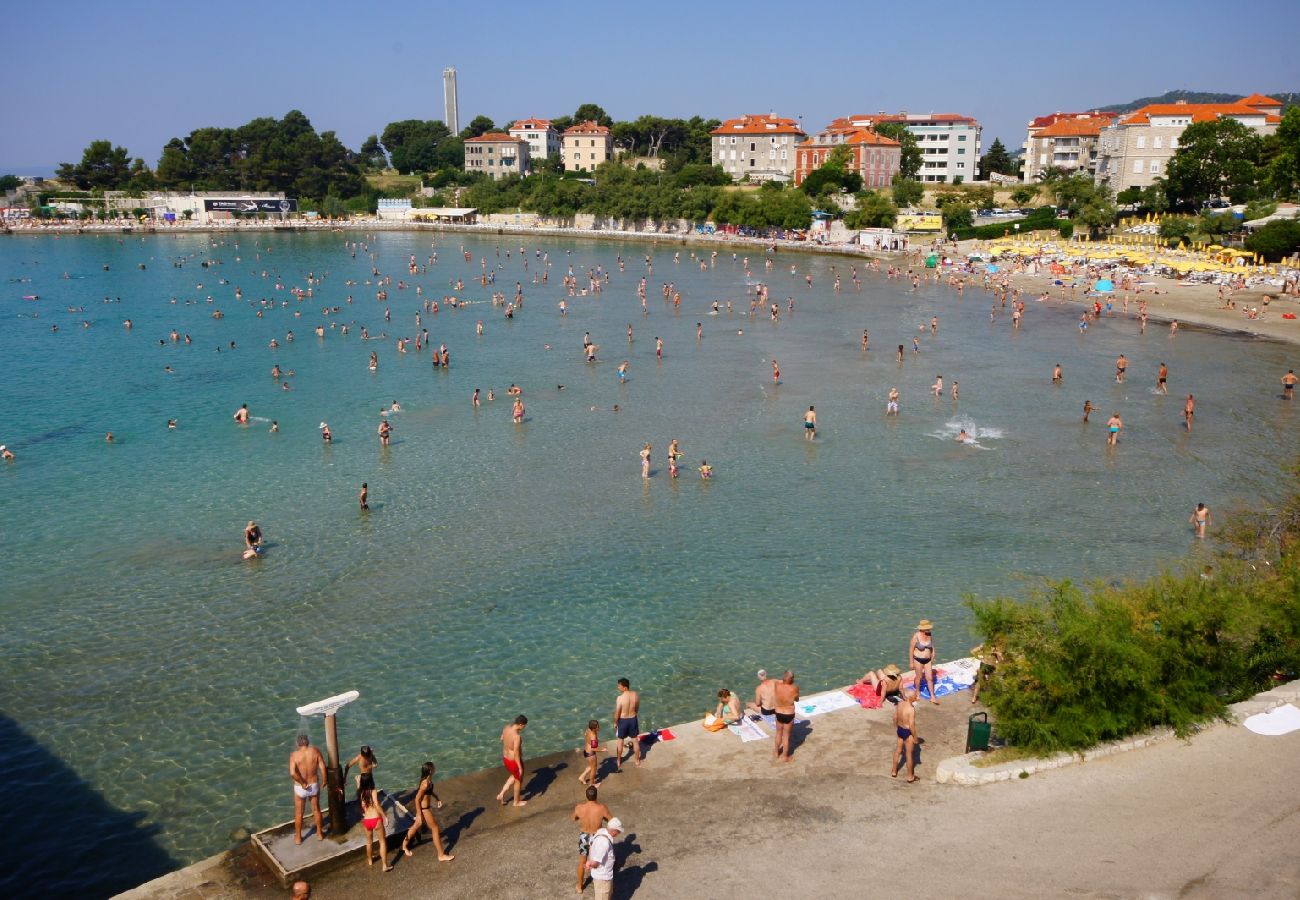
710, 816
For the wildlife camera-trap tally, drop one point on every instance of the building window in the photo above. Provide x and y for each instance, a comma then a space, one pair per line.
752, 147
961, 149
961, 137
733, 142
782, 156
1142, 142
1173, 142
1137, 167
1155, 167
1157, 142
961, 165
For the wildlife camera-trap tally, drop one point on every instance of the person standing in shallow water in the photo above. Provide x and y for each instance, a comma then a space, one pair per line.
810, 423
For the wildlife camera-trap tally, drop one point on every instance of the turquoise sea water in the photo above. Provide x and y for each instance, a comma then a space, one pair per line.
507, 569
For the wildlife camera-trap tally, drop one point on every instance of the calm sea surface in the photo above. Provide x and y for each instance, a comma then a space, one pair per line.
507, 569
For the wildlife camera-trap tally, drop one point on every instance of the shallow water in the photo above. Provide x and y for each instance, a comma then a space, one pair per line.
506, 569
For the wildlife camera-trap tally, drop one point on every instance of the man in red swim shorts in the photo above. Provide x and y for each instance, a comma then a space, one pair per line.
512, 755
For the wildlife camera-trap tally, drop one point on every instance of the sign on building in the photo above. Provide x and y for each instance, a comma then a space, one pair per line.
919, 222
250, 205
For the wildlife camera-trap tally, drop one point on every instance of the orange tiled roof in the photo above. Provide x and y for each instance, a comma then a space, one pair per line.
852, 135
919, 118
541, 124
1045, 121
750, 124
495, 137
1198, 112
1089, 127
587, 127
1259, 100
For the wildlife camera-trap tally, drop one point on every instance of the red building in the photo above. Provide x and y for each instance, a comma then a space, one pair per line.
875, 157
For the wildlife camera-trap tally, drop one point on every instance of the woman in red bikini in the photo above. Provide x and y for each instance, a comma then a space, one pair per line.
372, 817
590, 747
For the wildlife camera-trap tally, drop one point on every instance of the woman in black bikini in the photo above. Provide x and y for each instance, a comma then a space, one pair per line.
424, 815
366, 764
921, 652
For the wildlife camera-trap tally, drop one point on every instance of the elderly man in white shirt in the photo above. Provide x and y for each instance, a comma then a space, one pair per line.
600, 858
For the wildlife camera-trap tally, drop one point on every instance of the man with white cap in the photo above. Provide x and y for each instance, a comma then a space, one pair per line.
6, 453
764, 695
600, 858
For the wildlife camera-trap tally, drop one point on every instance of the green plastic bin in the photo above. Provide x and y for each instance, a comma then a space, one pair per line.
978, 732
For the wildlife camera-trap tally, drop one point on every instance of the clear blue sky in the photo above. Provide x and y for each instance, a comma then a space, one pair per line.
139, 73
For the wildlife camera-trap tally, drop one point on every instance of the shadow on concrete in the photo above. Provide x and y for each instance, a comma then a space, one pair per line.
71, 841
452, 833
542, 779
628, 879
916, 756
799, 733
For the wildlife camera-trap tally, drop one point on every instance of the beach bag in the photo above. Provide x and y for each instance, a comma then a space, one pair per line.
713, 723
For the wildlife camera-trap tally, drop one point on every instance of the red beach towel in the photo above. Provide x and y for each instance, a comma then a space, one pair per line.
865, 694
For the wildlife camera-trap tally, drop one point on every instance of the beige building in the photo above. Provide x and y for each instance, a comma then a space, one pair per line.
585, 146
497, 155
1067, 141
757, 148
1136, 150
543, 140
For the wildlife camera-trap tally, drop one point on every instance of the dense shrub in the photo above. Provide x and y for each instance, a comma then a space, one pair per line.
1082, 667
1039, 220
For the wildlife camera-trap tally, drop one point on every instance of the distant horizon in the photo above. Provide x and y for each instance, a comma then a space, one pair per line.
351, 74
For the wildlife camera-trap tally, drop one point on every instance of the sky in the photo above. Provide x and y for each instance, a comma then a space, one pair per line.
139, 73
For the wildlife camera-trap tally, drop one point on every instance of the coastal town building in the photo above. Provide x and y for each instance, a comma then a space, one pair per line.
543, 140
496, 154
585, 146
1136, 149
1067, 141
757, 148
873, 156
949, 143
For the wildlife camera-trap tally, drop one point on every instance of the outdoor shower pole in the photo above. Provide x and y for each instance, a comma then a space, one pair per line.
334, 778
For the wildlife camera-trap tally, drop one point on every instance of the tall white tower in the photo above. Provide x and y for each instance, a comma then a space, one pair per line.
450, 105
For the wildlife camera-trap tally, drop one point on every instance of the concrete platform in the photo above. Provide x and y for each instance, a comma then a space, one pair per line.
290, 862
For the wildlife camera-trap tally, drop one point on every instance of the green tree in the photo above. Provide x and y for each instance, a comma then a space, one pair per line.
478, 125
998, 160
875, 210
1276, 240
593, 113
907, 192
413, 145
693, 174
833, 175
1214, 159
9, 182
1088, 204
1024, 195
371, 156
102, 167
1154, 198
957, 215
910, 160
1284, 170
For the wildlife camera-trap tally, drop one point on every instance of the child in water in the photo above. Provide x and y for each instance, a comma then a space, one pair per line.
706, 470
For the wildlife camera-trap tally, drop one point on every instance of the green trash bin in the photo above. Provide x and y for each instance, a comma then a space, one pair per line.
978, 732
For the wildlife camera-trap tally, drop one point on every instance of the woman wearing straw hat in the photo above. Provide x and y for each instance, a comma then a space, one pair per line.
921, 651
887, 682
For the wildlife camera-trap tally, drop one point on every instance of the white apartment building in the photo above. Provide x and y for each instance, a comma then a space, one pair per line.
949, 143
543, 140
757, 148
1136, 150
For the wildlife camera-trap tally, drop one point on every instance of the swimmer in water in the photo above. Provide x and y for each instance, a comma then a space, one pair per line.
1087, 409
706, 470
962, 436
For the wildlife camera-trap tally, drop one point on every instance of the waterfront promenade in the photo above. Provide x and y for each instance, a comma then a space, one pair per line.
1214, 817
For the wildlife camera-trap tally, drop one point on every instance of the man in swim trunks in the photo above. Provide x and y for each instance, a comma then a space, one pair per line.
1162, 376
626, 725
1121, 367
306, 768
1288, 384
1200, 519
905, 729
512, 755
764, 695
810, 423
1113, 425
785, 694
590, 815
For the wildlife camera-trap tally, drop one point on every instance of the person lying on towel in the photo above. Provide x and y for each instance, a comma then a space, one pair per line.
886, 682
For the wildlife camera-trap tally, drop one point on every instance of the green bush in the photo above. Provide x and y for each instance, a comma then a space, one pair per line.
1065, 229
1276, 240
1039, 220
1082, 667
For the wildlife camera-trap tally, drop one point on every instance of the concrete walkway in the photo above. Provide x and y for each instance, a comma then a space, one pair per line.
708, 816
